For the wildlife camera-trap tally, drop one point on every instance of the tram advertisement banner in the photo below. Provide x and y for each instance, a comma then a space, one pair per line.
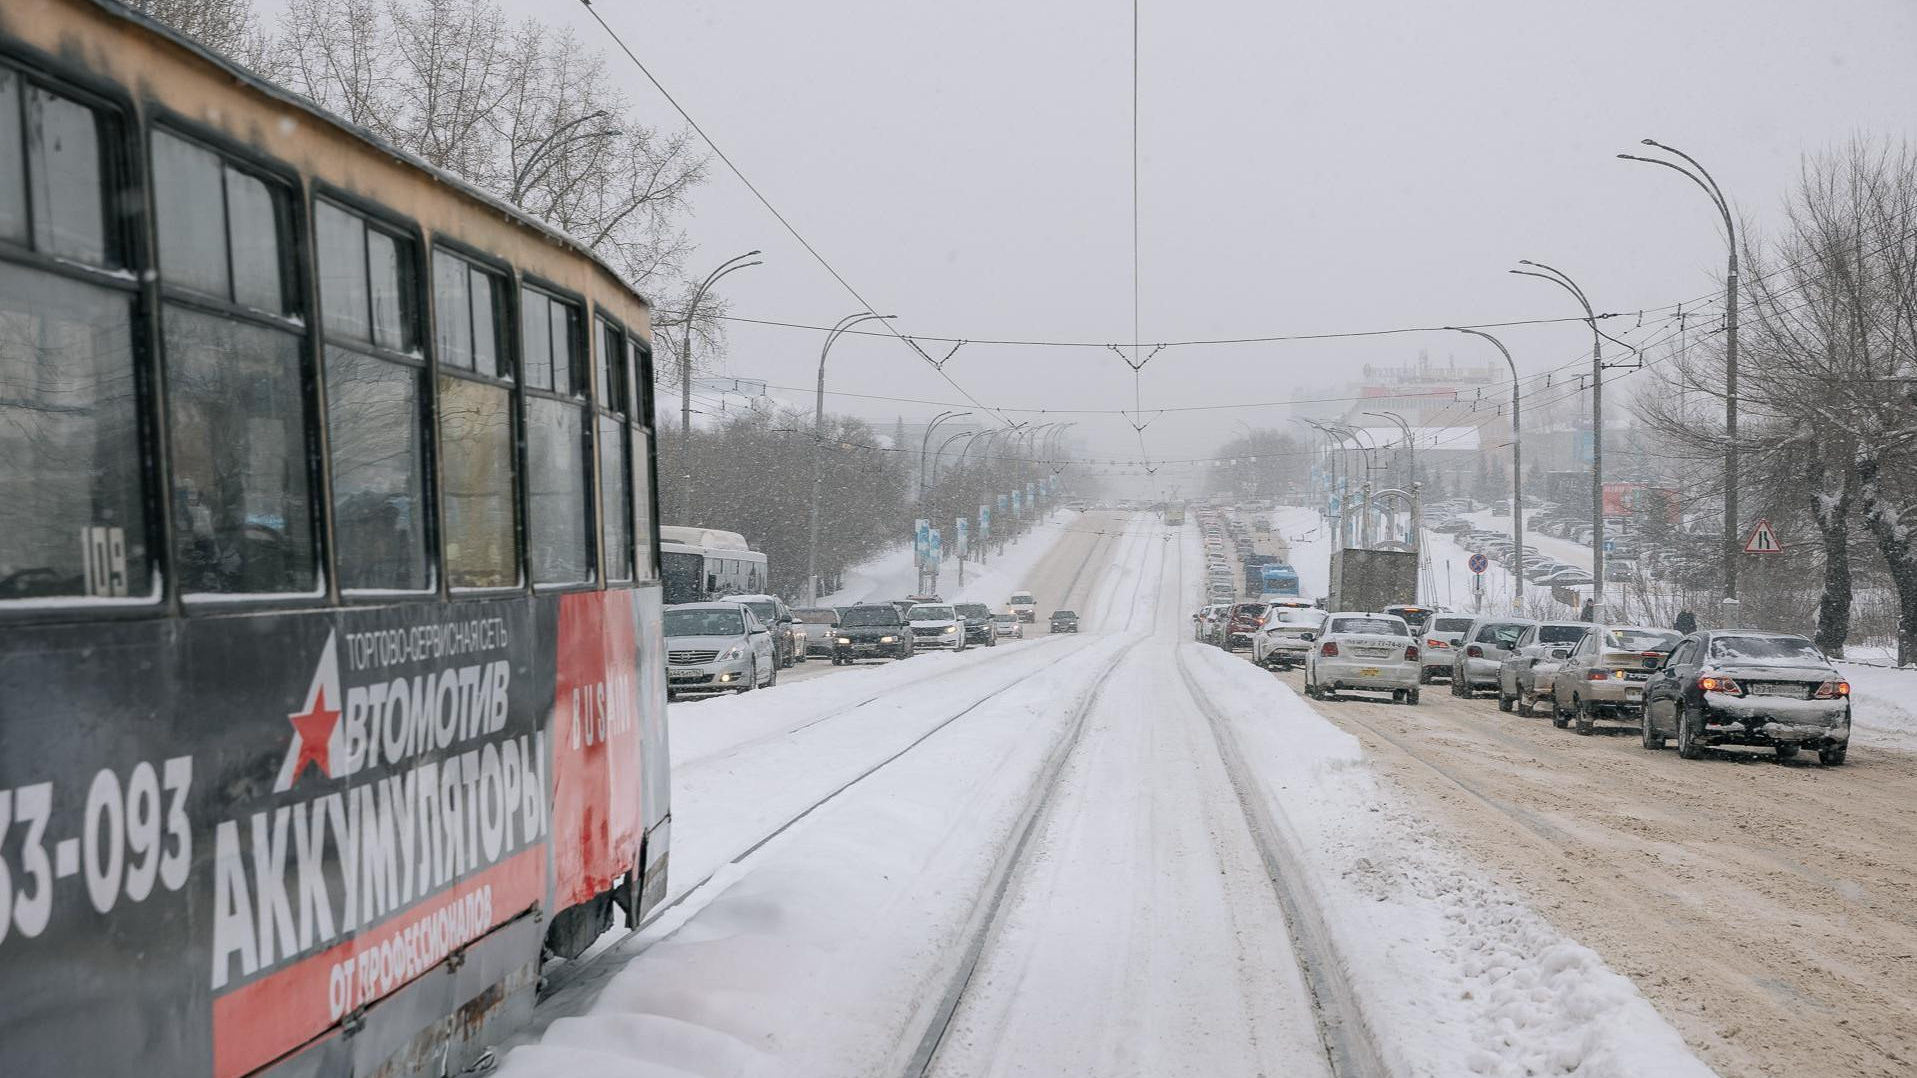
222, 836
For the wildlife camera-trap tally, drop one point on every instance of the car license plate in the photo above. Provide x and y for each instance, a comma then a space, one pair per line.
1633, 695
680, 672
1762, 689
1369, 671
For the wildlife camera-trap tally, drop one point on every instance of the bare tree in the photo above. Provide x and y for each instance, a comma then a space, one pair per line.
229, 27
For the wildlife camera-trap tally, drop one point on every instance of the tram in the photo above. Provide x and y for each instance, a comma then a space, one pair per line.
331, 667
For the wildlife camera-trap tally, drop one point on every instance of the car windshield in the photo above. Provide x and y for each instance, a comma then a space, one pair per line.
930, 612
973, 610
1450, 625
1064, 614
1503, 633
1293, 616
1251, 610
1561, 634
816, 617
1413, 616
1022, 598
1005, 618
1640, 640
869, 615
704, 623
1772, 648
767, 612
1378, 626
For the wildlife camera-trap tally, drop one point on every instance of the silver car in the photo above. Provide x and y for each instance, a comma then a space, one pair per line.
1480, 654
1530, 671
1605, 675
1443, 637
816, 626
717, 647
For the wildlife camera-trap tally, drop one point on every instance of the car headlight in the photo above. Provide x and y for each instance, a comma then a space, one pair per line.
888, 639
951, 628
845, 640
733, 652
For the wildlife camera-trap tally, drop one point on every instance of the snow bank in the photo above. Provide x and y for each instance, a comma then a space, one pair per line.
1455, 974
1883, 705
891, 575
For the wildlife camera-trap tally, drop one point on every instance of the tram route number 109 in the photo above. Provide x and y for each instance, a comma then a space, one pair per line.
134, 837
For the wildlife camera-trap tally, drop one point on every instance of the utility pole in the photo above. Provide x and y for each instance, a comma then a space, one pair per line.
1559, 278
685, 380
1733, 546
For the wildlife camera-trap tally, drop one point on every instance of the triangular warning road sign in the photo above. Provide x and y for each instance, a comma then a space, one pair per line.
1763, 540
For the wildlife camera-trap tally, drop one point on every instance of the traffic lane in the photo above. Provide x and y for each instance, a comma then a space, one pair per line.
1763, 905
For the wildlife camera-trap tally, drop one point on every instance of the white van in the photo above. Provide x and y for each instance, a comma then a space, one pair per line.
1023, 606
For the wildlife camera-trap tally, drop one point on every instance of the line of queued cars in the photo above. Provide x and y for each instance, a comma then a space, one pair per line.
1719, 687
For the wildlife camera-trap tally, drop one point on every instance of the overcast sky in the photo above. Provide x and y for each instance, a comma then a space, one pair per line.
1306, 167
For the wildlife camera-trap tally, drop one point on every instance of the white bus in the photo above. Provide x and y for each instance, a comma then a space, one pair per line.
698, 564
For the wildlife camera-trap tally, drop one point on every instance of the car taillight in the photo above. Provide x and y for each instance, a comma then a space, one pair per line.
1435, 643
1474, 651
1330, 649
1597, 675
1411, 653
1832, 690
1720, 683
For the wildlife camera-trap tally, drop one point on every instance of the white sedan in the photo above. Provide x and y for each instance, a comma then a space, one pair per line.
1367, 652
1286, 637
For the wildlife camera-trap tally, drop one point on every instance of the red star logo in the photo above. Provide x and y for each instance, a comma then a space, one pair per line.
315, 729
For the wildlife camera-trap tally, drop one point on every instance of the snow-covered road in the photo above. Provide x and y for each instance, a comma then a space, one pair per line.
1119, 853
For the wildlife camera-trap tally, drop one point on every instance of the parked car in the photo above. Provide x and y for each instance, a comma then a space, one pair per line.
1208, 620
1530, 670
817, 625
1487, 643
1604, 676
877, 630
1366, 652
1442, 637
717, 647
1566, 576
978, 623
1008, 625
1287, 637
778, 617
1739, 687
936, 627
1220, 591
1241, 623
1023, 605
1064, 621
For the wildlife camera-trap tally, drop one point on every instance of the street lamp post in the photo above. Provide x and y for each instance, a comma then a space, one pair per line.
818, 439
1559, 278
1410, 446
685, 379
1517, 470
1709, 186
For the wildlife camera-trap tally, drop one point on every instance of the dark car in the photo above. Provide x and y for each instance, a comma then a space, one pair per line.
978, 623
1417, 617
1242, 623
1746, 687
871, 630
1064, 621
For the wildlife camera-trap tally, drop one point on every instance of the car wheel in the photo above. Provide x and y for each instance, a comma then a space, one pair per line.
1424, 676
752, 678
1647, 731
1560, 718
1397, 696
1786, 749
1457, 685
1411, 697
1689, 724
1583, 717
1505, 703
1833, 755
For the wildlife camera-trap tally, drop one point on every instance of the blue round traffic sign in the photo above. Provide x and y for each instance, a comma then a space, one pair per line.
1479, 563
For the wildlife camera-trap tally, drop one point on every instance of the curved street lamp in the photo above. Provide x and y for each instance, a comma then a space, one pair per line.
736, 262
818, 438
1704, 180
1562, 280
1517, 467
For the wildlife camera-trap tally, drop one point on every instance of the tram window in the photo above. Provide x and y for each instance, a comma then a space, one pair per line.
340, 237
238, 419
467, 311
222, 231
641, 457
379, 486
190, 216
66, 189
611, 367
558, 463
567, 373
476, 466
535, 338
70, 454
615, 497
389, 261
13, 176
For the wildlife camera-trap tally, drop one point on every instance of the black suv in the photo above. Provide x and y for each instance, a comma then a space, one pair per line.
1064, 621
878, 630
978, 624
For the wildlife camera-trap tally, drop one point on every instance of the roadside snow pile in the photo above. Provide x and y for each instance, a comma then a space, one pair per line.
891, 575
1883, 703
1454, 974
